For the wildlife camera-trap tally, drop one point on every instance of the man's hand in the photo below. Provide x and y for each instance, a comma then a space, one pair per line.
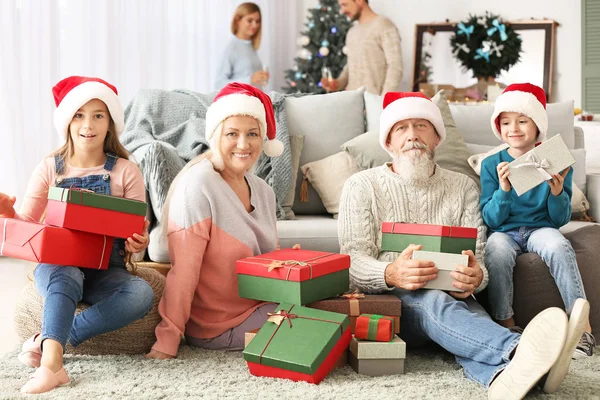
410, 274
330, 85
158, 355
503, 173
467, 278
557, 182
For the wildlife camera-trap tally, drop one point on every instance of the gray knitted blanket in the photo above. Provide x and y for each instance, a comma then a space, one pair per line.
178, 118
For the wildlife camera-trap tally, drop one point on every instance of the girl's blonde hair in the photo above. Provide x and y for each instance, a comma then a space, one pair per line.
241, 11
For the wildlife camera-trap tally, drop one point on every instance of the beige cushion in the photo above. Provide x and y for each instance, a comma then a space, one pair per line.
315, 232
296, 145
579, 203
135, 338
453, 153
328, 176
366, 150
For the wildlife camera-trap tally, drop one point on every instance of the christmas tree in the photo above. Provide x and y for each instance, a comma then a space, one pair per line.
321, 49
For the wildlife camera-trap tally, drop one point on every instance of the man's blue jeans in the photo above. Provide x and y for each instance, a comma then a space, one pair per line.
117, 298
482, 347
501, 252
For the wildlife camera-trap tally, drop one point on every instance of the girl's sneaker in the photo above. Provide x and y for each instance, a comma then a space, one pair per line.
44, 380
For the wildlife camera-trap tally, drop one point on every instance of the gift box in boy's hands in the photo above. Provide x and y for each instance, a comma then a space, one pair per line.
397, 236
298, 343
539, 164
51, 245
86, 211
446, 263
295, 276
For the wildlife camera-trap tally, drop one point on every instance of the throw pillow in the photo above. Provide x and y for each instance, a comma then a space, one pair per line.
579, 203
453, 153
373, 108
366, 150
326, 121
296, 144
328, 176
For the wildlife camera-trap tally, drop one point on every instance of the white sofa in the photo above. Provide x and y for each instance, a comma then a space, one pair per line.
327, 121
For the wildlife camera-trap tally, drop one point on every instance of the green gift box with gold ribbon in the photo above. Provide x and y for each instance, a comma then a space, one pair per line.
374, 327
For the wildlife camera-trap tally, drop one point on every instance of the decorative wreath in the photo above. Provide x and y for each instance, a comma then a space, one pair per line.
486, 45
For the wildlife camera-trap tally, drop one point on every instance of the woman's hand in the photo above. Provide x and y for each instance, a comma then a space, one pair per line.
159, 355
138, 243
259, 78
7, 203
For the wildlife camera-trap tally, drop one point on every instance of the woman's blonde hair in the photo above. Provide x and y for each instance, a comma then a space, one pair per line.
241, 11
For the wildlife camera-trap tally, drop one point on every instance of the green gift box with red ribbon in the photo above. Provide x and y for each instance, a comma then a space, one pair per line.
397, 236
374, 327
298, 343
294, 276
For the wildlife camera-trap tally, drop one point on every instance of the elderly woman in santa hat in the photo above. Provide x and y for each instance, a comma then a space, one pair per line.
218, 213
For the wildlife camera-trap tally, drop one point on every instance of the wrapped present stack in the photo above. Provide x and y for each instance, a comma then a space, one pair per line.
441, 244
296, 342
79, 229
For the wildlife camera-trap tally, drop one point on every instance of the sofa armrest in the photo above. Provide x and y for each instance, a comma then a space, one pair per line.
593, 195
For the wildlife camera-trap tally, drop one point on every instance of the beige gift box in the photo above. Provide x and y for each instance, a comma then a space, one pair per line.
377, 358
539, 164
446, 263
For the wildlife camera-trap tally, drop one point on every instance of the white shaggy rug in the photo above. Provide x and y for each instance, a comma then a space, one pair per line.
195, 374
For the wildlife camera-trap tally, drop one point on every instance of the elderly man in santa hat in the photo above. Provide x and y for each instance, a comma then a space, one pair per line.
413, 188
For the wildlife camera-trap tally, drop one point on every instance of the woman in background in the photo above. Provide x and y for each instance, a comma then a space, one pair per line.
240, 62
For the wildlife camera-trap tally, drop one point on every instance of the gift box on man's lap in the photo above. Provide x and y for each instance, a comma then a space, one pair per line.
446, 263
298, 343
95, 213
377, 358
354, 304
539, 164
295, 276
397, 236
51, 245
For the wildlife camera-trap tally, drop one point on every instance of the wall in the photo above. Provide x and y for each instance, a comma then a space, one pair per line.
566, 83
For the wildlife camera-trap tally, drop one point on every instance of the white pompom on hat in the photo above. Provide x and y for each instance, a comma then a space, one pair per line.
398, 106
73, 92
526, 99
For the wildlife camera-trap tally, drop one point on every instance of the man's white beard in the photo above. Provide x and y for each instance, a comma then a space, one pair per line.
414, 165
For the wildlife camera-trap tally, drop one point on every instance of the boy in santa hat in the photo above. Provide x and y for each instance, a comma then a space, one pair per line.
530, 222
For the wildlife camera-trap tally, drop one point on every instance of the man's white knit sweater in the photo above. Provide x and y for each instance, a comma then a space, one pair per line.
380, 195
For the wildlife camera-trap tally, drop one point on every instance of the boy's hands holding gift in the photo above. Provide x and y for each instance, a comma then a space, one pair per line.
138, 243
503, 173
557, 182
7, 206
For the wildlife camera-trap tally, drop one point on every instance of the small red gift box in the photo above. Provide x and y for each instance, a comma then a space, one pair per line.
374, 327
52, 245
95, 213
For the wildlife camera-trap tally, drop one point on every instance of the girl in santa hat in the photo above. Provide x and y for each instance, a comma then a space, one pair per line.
89, 118
219, 212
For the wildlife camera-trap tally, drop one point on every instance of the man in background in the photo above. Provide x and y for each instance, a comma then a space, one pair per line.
373, 50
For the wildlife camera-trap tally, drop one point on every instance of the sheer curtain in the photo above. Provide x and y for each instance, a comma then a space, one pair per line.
132, 43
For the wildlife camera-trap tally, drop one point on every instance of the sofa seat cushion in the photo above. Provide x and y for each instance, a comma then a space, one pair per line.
312, 232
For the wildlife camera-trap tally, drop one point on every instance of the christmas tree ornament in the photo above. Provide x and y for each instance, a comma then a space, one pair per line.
324, 43
303, 41
345, 50
324, 51
333, 30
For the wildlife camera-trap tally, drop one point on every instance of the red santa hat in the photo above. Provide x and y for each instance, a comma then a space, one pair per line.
73, 92
524, 98
241, 99
398, 106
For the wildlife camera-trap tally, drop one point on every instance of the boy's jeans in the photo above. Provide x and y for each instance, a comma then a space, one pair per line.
501, 252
